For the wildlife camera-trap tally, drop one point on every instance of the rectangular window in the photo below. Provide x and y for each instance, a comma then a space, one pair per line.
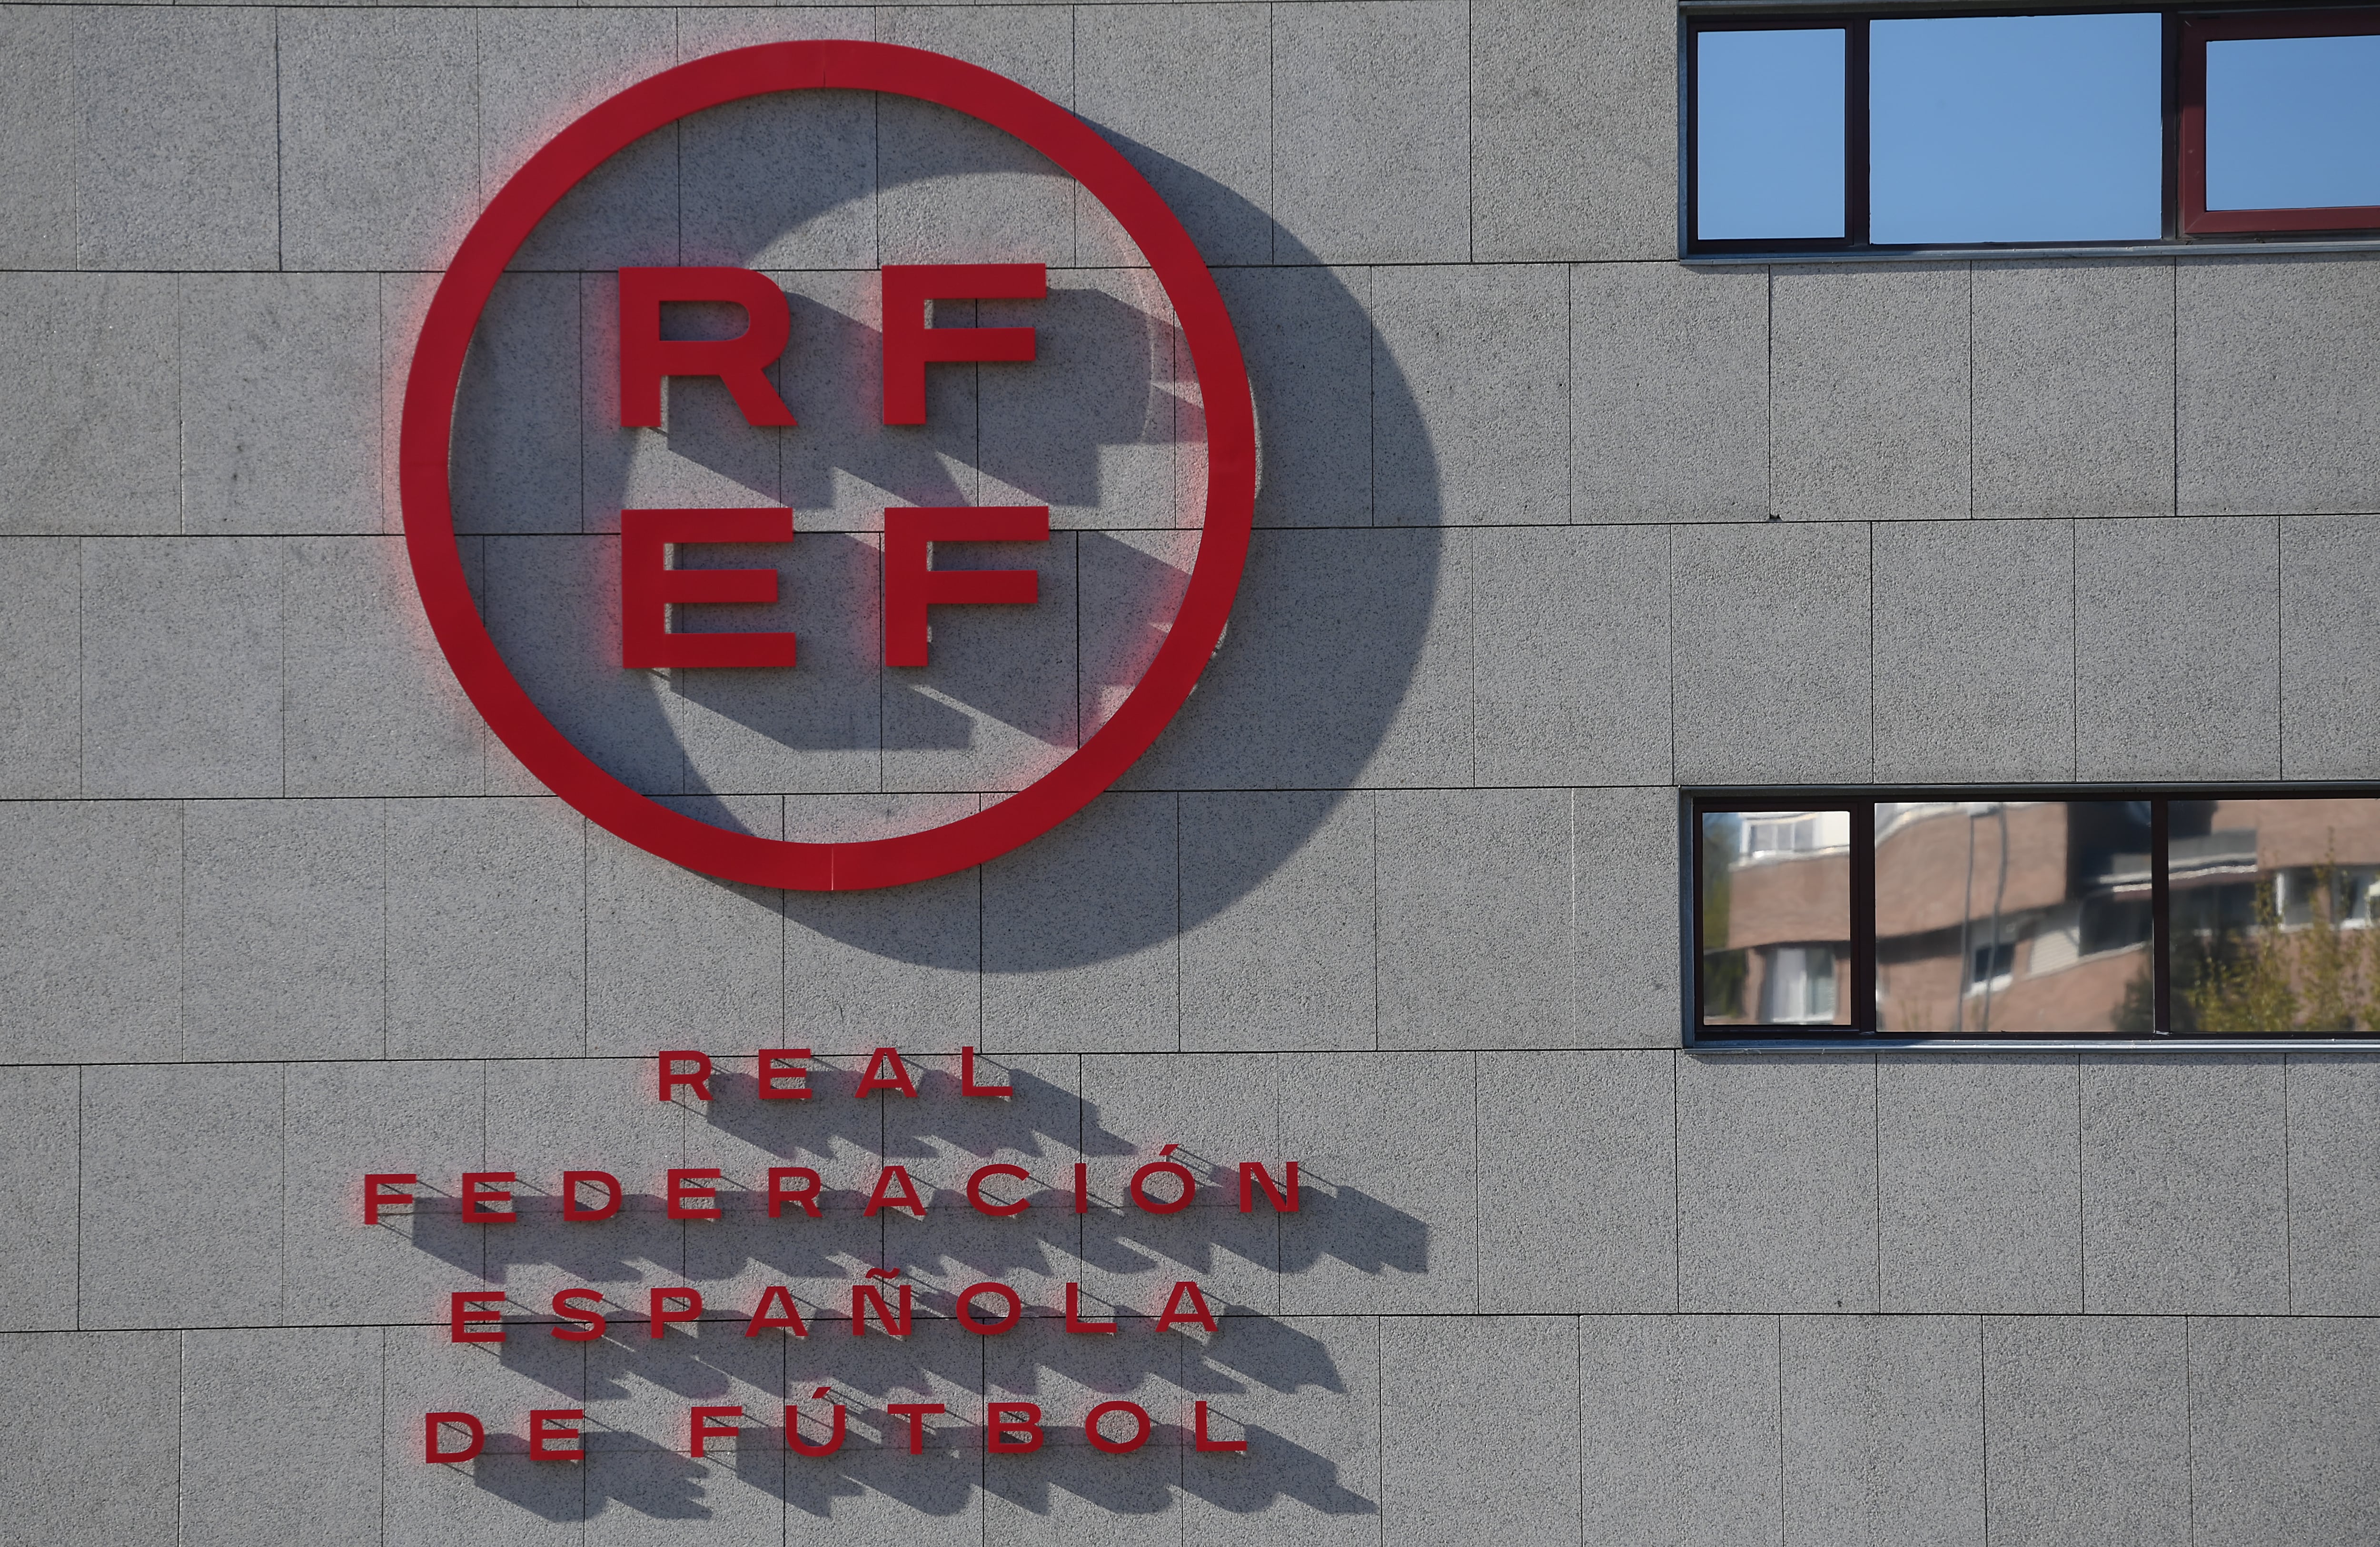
1898, 133
2008, 915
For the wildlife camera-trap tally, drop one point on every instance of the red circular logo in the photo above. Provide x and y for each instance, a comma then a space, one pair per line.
428, 432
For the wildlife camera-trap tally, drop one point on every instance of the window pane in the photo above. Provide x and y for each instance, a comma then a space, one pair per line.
2272, 916
2293, 123
1768, 134
2019, 129
2017, 915
1776, 912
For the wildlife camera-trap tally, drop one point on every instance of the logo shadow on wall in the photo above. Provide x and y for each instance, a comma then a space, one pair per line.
1325, 641
1254, 1357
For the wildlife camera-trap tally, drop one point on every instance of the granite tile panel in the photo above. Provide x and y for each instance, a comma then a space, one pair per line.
1081, 933
180, 1215
91, 401
2177, 636
1467, 1453
1777, 1182
1870, 405
1306, 333
676, 958
1569, 657
2185, 1185
641, 1464
1474, 919
379, 109
1578, 1197
736, 206
38, 1191
2074, 377
1680, 1431
1387, 1155
905, 962
1883, 1431
41, 664
37, 137
515, 466
1370, 132
2279, 1431
1277, 920
1484, 351
283, 940
88, 1449
1973, 651
1624, 916
281, 1438
1669, 392
2086, 1430
1065, 1493
502, 1498
2334, 1138
91, 927
2330, 575
1304, 1393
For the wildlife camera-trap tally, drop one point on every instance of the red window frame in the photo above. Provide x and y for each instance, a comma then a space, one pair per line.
2197, 32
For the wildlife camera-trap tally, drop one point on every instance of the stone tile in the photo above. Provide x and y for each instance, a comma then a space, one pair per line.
2273, 414
1777, 1182
1573, 138
639, 1465
486, 928
1982, 1186
951, 189
539, 71
182, 649
1131, 587
1681, 1420
1870, 397
1571, 668
735, 205
676, 958
37, 137
1081, 933
91, 924
1883, 1429
1484, 352
281, 1437
1973, 651
503, 1499
1624, 916
1279, 917
1306, 333
180, 1217
2073, 372
349, 1120
1669, 390
1385, 1145
2184, 1185
91, 401
1768, 651
905, 962
552, 1114
1182, 92
2329, 728
2279, 1431
1348, 665
378, 109
2086, 1430
997, 705
1065, 1491
1465, 1450
283, 942
1578, 1205
552, 606
1088, 428
38, 1163
1305, 1393
1370, 132
2334, 1135
2175, 638
281, 410
705, 456
1220, 1110
516, 464
177, 150
80, 1445
41, 661
1474, 919
370, 706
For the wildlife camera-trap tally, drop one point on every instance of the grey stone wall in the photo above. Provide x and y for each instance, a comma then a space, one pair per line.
1550, 524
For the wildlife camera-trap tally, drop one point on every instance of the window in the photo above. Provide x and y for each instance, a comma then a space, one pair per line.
2006, 915
1895, 133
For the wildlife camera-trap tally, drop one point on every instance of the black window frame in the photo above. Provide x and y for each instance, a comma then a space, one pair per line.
1697, 17
1861, 802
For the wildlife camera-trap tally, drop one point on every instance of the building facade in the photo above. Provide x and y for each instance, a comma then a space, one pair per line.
301, 969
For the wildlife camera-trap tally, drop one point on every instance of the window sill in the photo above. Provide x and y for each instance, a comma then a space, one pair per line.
2276, 249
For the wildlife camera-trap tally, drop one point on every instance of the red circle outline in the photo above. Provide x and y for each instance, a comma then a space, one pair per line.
428, 433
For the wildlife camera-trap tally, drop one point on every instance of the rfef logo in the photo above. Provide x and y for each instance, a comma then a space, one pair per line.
912, 586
